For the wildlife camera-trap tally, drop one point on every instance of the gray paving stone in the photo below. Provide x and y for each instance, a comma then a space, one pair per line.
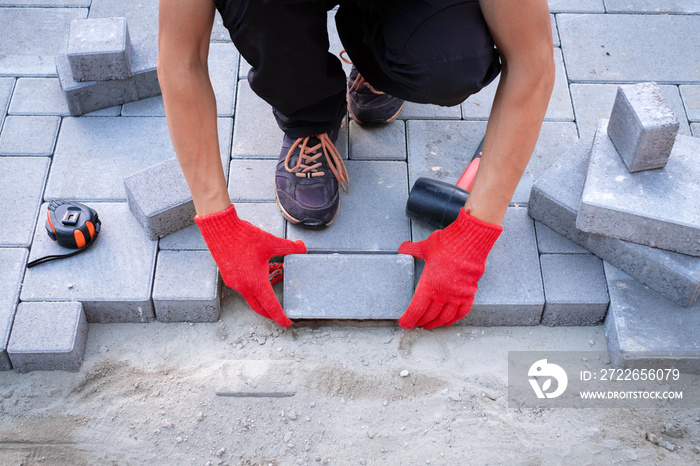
576, 6
555, 32
141, 16
29, 135
645, 330
551, 242
32, 37
695, 127
555, 201
151, 107
478, 106
654, 207
355, 286
652, 6
6, 86
264, 215
642, 127
46, 3
107, 150
442, 150
21, 188
113, 278
187, 287
48, 337
38, 96
414, 111
219, 33
510, 292
12, 266
99, 49
574, 288
85, 97
252, 180
371, 216
593, 102
691, 100
378, 143
620, 48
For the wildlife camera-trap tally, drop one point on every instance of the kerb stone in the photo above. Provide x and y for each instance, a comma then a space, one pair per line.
642, 126
99, 49
658, 208
48, 337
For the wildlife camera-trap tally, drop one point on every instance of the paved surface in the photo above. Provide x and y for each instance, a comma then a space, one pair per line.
598, 45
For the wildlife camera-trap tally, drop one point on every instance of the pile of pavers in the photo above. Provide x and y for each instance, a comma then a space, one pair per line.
631, 198
102, 67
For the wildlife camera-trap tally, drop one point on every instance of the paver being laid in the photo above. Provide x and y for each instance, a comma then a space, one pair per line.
646, 331
21, 187
31, 37
99, 49
38, 96
112, 278
555, 200
593, 102
29, 135
658, 208
356, 286
187, 287
380, 143
551, 242
620, 48
48, 336
691, 99
12, 266
574, 288
264, 215
371, 216
642, 127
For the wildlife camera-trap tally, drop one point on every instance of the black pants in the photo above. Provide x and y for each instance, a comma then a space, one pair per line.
424, 51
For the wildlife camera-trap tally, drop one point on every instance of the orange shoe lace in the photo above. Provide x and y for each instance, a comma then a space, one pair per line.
307, 165
359, 80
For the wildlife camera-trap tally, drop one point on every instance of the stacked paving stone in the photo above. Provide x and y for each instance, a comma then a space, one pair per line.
102, 68
630, 198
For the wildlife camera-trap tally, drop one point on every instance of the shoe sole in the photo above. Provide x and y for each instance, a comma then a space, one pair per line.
301, 223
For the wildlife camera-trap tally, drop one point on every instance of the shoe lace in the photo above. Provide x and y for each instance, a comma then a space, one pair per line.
308, 165
359, 80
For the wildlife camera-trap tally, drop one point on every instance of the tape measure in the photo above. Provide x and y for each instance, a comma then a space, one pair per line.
72, 225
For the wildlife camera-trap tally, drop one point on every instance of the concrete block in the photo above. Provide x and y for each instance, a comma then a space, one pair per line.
414, 111
478, 106
38, 96
151, 107
510, 292
691, 100
48, 337
647, 331
575, 290
85, 97
551, 242
264, 215
356, 286
21, 188
29, 135
113, 278
94, 155
160, 199
99, 49
187, 287
642, 127
629, 53
371, 216
379, 143
593, 102
655, 207
12, 265
555, 201
32, 37
651, 6
252, 180
442, 150
576, 6
6, 87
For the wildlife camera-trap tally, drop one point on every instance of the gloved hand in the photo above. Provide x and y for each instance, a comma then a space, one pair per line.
455, 259
243, 251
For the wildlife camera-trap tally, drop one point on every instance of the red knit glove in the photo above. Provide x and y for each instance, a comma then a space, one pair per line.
243, 251
455, 259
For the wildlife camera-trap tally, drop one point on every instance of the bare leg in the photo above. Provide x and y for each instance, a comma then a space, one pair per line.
190, 106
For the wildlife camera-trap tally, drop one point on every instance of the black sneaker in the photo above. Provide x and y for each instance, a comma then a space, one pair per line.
308, 174
368, 106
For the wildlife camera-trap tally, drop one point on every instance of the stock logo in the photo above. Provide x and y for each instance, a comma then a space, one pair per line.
547, 372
